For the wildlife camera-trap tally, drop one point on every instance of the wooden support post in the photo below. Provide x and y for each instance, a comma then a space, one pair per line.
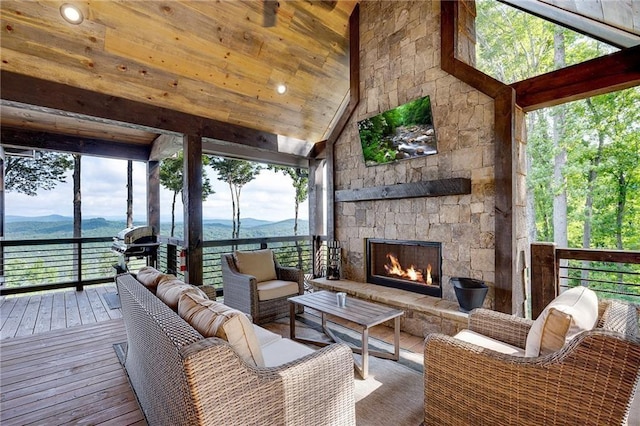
543, 276
153, 205
192, 202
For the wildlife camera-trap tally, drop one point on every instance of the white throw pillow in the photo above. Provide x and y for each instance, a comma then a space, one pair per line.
214, 319
258, 263
574, 311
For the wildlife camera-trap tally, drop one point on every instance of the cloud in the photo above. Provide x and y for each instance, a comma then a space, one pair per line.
104, 194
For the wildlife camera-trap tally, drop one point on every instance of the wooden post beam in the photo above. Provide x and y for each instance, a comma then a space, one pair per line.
543, 276
192, 202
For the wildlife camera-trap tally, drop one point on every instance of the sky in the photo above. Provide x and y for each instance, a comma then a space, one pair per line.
104, 194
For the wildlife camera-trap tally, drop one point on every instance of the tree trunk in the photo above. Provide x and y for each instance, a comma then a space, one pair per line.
238, 189
233, 212
129, 194
77, 217
560, 193
173, 213
531, 202
588, 204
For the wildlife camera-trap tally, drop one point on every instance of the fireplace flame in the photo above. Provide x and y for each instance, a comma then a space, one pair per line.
413, 274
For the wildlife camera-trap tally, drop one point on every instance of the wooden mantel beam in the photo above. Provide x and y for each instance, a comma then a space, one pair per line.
34, 91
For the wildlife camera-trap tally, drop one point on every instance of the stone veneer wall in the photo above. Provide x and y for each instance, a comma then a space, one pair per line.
399, 62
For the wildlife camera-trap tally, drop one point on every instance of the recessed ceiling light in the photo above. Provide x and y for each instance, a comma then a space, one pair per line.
281, 89
72, 14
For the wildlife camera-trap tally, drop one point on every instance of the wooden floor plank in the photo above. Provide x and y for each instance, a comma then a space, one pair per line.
84, 308
58, 314
67, 376
113, 313
10, 326
72, 313
28, 322
6, 308
43, 322
99, 309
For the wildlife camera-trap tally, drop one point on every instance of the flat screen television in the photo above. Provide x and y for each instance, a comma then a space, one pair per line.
401, 133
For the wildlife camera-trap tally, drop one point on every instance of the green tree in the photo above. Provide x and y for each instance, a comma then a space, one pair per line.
171, 177
44, 171
236, 173
300, 179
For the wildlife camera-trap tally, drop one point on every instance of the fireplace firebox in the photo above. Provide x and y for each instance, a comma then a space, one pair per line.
407, 265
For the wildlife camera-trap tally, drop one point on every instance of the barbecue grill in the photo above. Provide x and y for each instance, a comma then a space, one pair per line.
138, 242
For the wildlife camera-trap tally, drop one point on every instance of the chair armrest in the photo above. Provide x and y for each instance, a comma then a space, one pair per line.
503, 327
226, 390
589, 382
240, 291
286, 273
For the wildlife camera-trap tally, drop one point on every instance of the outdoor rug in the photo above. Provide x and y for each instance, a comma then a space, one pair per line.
392, 394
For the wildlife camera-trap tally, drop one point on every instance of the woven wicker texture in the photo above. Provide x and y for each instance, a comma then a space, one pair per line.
181, 378
588, 382
241, 291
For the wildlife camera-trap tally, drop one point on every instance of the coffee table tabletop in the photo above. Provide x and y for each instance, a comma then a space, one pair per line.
360, 312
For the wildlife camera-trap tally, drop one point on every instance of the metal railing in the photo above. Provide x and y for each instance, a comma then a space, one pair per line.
610, 273
45, 264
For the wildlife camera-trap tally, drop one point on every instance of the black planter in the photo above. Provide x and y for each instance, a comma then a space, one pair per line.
470, 292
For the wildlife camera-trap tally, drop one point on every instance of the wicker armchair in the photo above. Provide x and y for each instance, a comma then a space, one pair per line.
241, 291
590, 381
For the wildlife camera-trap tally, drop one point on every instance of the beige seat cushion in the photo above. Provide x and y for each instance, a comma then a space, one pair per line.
282, 351
489, 343
273, 289
214, 319
572, 312
151, 277
258, 263
264, 336
170, 290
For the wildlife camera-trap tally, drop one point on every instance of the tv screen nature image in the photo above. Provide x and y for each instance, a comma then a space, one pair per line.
401, 133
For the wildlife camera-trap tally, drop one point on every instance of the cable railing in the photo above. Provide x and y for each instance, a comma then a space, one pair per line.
46, 264
610, 273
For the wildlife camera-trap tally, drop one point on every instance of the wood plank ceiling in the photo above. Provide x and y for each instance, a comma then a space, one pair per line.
219, 60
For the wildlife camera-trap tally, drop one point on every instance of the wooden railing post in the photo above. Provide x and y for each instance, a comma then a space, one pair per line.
543, 276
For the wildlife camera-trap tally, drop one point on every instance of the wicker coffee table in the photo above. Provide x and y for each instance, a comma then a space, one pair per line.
362, 313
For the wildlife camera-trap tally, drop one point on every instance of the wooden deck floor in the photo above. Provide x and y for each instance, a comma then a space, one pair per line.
58, 365
27, 314
67, 376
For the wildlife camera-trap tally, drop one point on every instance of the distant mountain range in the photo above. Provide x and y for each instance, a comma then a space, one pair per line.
56, 226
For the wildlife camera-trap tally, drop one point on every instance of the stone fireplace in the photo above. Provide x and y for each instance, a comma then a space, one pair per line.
399, 62
407, 265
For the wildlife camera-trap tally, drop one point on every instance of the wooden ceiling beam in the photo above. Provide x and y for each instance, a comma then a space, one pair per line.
165, 146
73, 144
34, 91
576, 22
606, 74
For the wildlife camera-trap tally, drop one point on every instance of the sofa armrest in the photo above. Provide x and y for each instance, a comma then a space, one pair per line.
326, 378
503, 327
589, 382
226, 390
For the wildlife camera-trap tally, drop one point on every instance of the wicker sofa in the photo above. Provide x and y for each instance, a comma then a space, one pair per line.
182, 378
589, 381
